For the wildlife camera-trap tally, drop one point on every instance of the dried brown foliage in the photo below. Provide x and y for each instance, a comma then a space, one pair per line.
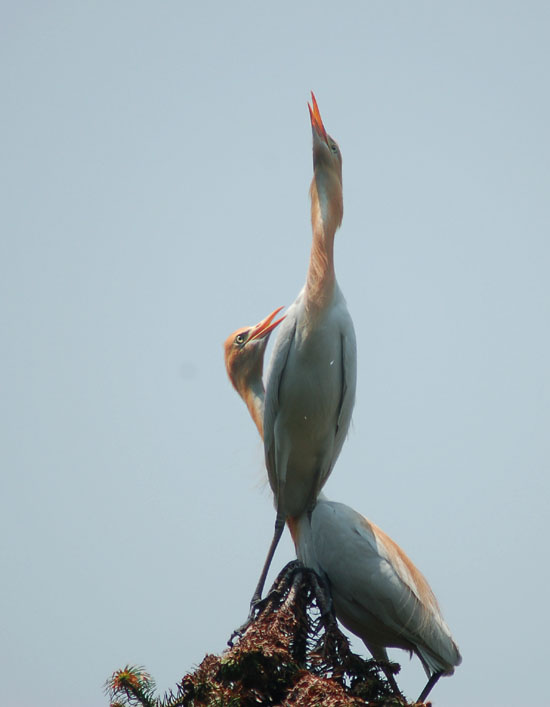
291, 654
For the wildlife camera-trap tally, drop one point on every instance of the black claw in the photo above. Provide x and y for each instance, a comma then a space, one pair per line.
238, 632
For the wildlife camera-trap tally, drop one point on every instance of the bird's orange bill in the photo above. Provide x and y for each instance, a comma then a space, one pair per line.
266, 325
316, 121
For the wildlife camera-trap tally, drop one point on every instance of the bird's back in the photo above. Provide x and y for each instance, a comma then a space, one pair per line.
378, 592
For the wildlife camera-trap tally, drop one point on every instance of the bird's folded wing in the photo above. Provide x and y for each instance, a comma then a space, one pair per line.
278, 361
347, 401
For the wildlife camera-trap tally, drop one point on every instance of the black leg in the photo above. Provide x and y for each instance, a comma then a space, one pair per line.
279, 527
429, 685
393, 684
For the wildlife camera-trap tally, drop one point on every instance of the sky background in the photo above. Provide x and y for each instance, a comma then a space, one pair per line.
155, 165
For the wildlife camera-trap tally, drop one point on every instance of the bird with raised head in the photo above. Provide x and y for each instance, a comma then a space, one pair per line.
310, 390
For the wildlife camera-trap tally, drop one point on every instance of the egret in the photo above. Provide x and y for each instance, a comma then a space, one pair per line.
310, 389
378, 593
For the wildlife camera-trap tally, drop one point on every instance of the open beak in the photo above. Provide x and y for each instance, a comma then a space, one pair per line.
316, 121
266, 326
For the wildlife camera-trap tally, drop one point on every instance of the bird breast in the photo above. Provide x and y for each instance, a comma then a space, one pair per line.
310, 397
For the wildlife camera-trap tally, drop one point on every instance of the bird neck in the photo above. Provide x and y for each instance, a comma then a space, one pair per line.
326, 216
254, 395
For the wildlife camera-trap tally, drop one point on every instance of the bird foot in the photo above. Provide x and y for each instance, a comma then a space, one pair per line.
259, 605
239, 632
323, 596
283, 580
256, 607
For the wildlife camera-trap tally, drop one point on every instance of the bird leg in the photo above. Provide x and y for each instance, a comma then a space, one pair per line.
380, 655
391, 679
323, 596
271, 600
285, 578
279, 527
429, 685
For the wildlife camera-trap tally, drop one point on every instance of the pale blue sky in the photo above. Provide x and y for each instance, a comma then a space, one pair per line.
156, 159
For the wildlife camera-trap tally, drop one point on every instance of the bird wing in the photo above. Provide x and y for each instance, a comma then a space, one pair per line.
371, 595
383, 592
349, 377
277, 364
411, 606
426, 626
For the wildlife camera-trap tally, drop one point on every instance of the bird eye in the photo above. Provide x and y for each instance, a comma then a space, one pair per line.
239, 339
334, 147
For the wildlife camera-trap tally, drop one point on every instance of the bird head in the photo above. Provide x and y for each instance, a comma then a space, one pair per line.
244, 351
326, 153
326, 187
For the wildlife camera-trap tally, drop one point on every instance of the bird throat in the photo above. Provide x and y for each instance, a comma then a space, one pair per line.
326, 215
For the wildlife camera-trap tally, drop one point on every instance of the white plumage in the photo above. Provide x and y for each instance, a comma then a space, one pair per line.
378, 592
